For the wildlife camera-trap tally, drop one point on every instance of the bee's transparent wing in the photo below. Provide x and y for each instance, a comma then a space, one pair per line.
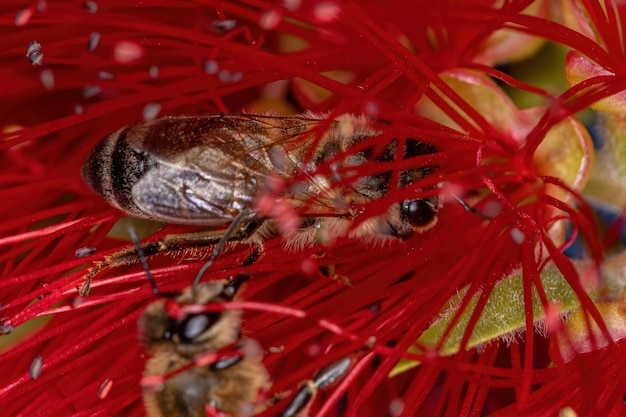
202, 188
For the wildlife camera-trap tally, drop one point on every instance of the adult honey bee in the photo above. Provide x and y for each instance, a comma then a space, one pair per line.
198, 364
208, 170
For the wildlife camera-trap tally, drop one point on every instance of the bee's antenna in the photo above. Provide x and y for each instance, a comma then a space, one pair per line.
144, 262
220, 245
472, 209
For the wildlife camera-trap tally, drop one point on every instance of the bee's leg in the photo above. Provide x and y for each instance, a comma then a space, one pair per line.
329, 271
276, 398
176, 242
231, 233
125, 256
256, 254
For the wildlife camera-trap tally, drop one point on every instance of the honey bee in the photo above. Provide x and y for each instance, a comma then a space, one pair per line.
210, 170
199, 366
198, 361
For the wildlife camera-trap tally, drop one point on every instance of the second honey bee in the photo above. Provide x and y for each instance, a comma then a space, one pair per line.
210, 170
199, 365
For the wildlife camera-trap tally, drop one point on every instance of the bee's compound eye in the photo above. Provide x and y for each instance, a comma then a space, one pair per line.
194, 325
418, 213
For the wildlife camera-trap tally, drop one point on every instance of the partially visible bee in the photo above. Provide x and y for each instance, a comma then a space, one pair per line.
199, 364
231, 382
208, 170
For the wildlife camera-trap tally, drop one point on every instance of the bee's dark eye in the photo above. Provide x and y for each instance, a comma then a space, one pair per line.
418, 212
194, 325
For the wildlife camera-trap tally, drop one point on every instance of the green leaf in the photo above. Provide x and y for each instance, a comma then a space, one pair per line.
502, 317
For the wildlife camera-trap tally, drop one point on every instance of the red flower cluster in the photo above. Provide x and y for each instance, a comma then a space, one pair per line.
480, 314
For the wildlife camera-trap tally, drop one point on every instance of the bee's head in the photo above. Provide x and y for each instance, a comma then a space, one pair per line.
419, 214
162, 323
179, 320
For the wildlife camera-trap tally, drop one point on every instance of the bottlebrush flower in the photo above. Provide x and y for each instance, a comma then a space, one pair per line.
481, 314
